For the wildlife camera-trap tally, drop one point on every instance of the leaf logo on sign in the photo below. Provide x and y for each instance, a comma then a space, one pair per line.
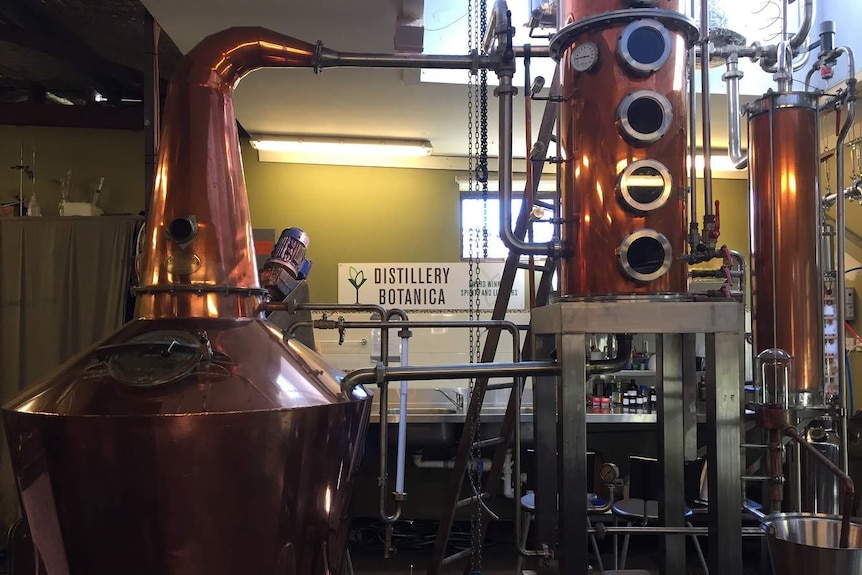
356, 279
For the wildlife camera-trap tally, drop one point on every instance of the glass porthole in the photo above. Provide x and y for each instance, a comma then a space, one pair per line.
644, 46
645, 185
643, 117
645, 255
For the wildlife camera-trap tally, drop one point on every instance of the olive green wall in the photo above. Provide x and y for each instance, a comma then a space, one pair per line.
356, 214
732, 196
352, 214
116, 155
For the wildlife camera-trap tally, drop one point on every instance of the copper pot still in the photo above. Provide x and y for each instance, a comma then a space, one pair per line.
195, 439
786, 290
623, 133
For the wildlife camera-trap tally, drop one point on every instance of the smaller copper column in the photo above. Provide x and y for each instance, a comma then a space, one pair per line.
786, 288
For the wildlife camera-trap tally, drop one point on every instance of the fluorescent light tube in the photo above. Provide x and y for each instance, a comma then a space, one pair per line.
342, 146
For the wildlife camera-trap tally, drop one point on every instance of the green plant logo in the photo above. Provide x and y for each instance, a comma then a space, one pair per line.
356, 279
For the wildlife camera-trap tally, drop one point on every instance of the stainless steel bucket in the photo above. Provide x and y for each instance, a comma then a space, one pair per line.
807, 544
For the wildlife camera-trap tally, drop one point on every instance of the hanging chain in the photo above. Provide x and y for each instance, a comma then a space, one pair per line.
474, 462
471, 168
477, 167
483, 130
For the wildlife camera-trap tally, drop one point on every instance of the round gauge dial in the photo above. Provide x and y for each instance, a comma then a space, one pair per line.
585, 56
609, 473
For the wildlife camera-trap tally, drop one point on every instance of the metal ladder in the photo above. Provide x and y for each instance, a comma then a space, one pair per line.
492, 478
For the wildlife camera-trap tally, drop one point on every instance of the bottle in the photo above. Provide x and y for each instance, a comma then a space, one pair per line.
643, 395
616, 393
33, 208
653, 398
632, 394
626, 399
599, 388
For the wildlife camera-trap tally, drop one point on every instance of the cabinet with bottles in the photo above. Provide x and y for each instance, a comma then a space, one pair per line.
632, 391
616, 393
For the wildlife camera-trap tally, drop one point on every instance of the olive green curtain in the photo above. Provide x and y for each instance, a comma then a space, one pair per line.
63, 286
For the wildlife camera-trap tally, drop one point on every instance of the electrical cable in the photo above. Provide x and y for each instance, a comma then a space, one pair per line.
452, 23
853, 331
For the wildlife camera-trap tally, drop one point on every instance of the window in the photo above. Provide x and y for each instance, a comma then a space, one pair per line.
472, 220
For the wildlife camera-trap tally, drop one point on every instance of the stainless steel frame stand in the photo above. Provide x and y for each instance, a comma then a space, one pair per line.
562, 328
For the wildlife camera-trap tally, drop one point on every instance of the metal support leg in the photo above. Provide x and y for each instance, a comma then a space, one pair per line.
572, 442
723, 383
670, 422
545, 434
527, 518
689, 395
569, 321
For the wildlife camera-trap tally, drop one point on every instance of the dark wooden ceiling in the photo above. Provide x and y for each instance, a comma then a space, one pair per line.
56, 52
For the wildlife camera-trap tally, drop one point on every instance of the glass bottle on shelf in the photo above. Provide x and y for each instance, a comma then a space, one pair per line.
616, 392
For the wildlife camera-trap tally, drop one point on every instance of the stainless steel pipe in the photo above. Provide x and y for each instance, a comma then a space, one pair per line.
383, 407
734, 112
851, 192
692, 137
505, 92
455, 371
841, 248
706, 135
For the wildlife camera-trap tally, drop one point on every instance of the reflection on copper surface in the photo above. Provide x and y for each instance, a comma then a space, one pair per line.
595, 220
200, 174
785, 284
195, 440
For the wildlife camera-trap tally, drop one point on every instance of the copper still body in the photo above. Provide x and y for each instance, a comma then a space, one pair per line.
786, 288
195, 439
623, 126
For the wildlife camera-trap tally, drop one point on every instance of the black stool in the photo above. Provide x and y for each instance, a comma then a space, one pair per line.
528, 508
641, 506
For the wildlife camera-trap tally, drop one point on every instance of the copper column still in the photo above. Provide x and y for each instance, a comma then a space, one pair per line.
786, 287
623, 131
195, 440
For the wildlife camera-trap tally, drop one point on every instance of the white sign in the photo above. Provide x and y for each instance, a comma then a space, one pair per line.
426, 286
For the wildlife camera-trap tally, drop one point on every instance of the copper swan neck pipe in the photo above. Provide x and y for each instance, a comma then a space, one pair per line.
199, 259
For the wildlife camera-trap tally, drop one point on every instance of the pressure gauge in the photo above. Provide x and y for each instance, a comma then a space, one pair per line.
585, 56
609, 473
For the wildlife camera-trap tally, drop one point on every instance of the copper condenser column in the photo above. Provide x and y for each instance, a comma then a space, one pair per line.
623, 125
195, 440
786, 290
